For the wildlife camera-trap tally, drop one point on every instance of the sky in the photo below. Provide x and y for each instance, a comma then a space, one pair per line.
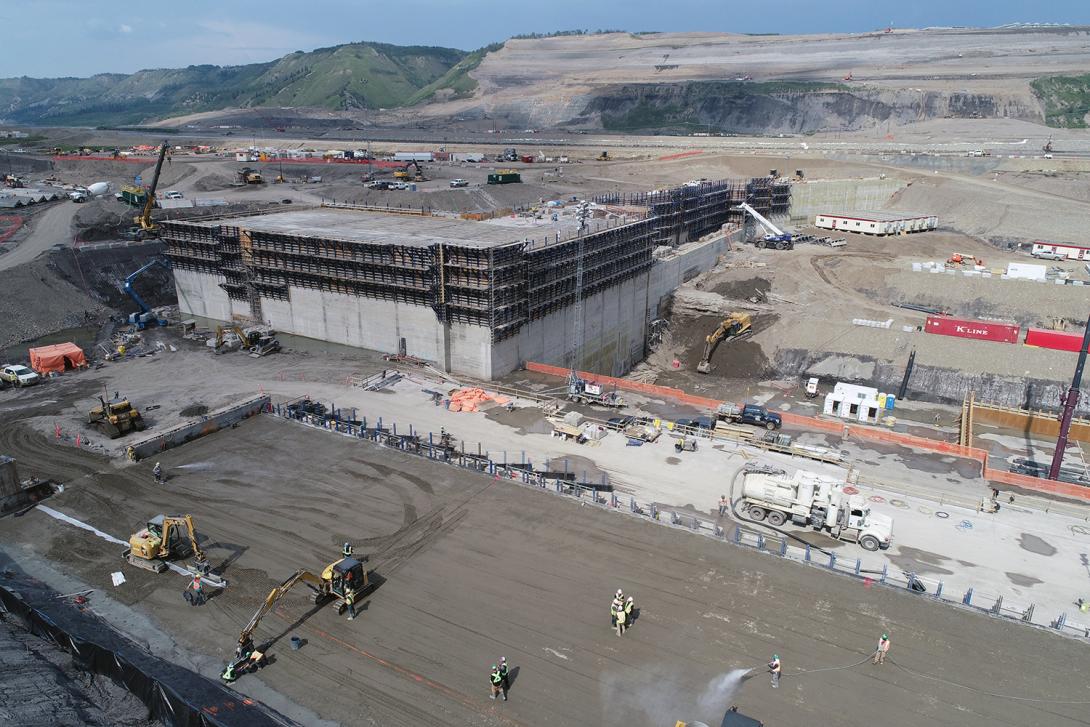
51, 38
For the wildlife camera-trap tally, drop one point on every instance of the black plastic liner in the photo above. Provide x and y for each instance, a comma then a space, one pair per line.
159, 684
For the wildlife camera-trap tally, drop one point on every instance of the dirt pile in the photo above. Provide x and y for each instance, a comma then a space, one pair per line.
37, 302
742, 359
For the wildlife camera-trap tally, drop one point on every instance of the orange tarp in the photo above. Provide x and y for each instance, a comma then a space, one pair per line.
470, 399
58, 357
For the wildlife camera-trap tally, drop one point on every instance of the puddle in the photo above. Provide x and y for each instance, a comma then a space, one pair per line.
673, 460
1020, 580
1035, 545
526, 420
914, 560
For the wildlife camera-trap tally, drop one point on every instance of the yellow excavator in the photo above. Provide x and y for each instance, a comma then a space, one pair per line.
403, 173
167, 537
342, 582
733, 326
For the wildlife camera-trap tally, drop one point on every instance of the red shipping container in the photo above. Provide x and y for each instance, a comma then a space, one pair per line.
963, 328
1057, 340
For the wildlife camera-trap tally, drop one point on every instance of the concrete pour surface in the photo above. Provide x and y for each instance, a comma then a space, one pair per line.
471, 568
987, 554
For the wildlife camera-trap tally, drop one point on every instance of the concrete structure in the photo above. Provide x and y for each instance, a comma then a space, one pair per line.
463, 294
813, 197
876, 222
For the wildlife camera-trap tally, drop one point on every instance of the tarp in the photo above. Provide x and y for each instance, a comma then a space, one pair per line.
57, 357
470, 399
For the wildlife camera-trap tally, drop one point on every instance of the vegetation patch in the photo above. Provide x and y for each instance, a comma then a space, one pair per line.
1066, 100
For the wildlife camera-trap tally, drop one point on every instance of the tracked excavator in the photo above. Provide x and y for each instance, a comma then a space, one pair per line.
404, 175
733, 326
165, 538
341, 582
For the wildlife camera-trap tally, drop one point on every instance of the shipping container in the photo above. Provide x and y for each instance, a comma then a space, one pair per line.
1056, 340
962, 328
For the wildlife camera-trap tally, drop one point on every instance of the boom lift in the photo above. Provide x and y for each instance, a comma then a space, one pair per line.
775, 237
733, 326
143, 220
142, 318
168, 537
340, 579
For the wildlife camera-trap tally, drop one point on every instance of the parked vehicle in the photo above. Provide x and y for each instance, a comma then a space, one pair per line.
749, 414
173, 194
459, 183
17, 375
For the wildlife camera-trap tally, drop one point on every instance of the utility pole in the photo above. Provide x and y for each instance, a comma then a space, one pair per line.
1069, 401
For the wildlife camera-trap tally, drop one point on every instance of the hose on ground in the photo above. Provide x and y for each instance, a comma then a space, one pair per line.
997, 695
738, 518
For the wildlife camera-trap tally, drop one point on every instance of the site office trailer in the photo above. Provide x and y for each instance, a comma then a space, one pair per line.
1071, 252
1056, 340
965, 328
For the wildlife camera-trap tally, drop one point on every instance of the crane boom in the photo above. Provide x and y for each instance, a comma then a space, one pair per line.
144, 219
764, 222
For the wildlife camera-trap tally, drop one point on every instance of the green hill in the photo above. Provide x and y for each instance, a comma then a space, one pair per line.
352, 76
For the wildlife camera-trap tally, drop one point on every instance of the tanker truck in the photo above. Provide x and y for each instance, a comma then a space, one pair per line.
812, 500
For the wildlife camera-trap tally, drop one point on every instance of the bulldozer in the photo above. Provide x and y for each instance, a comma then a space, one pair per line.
733, 326
165, 538
115, 418
603, 157
342, 580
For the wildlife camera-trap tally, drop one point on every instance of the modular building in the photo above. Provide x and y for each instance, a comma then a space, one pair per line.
413, 156
1068, 250
876, 222
857, 403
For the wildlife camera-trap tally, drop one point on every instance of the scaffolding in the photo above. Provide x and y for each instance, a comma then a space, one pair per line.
499, 286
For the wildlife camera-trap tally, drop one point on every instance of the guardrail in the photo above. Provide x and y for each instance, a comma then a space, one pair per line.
521, 471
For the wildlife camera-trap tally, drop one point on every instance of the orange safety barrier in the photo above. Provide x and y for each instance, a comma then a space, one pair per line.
844, 428
680, 155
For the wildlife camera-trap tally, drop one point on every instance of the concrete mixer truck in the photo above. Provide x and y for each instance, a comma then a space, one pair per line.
816, 501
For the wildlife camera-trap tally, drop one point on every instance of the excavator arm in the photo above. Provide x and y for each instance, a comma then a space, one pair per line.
735, 325
144, 220
186, 522
274, 596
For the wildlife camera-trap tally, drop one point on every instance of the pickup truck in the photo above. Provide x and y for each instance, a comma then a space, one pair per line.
758, 416
459, 183
18, 375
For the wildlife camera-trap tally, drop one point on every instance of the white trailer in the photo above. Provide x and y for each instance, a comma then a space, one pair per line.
1060, 250
876, 222
812, 500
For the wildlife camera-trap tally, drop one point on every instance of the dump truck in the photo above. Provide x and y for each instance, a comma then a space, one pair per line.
748, 414
115, 418
812, 500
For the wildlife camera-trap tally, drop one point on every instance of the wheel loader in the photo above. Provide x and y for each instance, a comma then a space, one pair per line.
115, 418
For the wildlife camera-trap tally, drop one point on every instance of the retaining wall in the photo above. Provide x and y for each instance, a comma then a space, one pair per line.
187, 432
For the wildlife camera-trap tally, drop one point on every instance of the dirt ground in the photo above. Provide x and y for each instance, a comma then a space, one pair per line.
471, 569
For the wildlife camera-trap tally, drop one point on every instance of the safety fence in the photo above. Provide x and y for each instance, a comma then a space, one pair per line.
173, 695
846, 430
521, 470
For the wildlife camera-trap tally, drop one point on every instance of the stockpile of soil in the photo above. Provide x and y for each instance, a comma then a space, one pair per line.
744, 289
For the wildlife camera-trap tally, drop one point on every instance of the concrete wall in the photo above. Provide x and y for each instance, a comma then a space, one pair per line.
200, 294
814, 197
683, 264
614, 330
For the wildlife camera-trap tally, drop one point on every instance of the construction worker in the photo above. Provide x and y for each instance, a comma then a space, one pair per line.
346, 551
350, 601
197, 597
504, 673
496, 680
622, 620
882, 650
617, 605
629, 605
228, 674
774, 668
158, 472
724, 503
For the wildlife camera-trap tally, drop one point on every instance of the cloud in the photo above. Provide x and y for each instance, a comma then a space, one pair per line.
125, 28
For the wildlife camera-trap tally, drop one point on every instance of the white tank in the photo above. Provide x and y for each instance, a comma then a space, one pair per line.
772, 489
99, 188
